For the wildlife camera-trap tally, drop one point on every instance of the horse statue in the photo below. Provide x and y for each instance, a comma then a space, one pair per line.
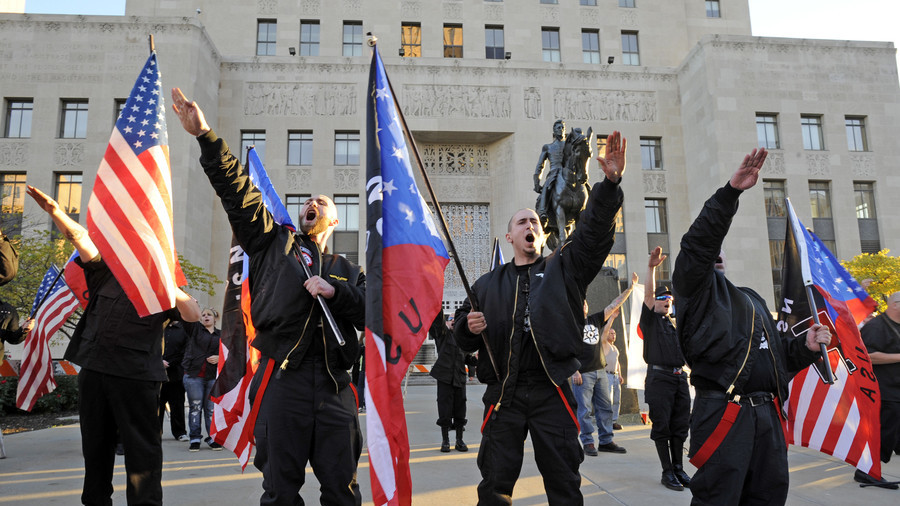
564, 193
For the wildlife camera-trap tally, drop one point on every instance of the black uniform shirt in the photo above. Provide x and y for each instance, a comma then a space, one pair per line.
762, 372
883, 335
592, 357
529, 360
660, 341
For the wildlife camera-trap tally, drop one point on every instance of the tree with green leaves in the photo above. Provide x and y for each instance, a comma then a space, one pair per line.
882, 269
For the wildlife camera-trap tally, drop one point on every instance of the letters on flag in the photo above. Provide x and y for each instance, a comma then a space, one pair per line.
405, 259
36, 371
130, 209
840, 419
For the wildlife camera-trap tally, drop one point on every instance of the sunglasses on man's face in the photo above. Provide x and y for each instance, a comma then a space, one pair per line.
663, 297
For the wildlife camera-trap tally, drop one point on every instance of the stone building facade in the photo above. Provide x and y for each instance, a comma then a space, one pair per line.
481, 83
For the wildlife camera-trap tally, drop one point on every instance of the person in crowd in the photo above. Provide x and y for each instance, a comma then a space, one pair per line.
531, 311
740, 363
881, 336
450, 372
172, 393
666, 386
614, 375
201, 358
307, 411
120, 355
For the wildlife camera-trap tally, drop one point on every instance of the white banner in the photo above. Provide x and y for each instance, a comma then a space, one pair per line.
634, 346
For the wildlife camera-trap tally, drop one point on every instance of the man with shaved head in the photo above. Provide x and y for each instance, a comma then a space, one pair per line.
531, 314
307, 413
882, 338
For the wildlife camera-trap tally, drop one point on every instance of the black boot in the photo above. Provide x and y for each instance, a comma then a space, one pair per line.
668, 476
460, 445
677, 448
445, 444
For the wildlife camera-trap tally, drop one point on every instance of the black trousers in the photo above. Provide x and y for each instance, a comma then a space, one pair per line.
451, 404
109, 406
534, 409
670, 404
172, 393
302, 419
890, 428
750, 466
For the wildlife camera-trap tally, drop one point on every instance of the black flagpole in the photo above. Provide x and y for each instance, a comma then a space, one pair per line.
440, 213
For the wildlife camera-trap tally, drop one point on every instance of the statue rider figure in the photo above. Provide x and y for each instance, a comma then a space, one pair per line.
554, 153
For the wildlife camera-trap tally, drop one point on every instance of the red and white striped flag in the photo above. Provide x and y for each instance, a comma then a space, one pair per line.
130, 210
36, 372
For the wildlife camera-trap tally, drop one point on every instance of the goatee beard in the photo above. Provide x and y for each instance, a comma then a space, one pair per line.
320, 226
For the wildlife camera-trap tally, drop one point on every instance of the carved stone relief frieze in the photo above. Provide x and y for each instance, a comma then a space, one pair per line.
862, 166
654, 182
310, 7
456, 159
346, 179
550, 14
284, 99
68, 153
591, 15
493, 12
456, 101
774, 165
411, 8
532, 102
267, 6
352, 7
298, 178
579, 104
628, 18
452, 10
13, 154
818, 164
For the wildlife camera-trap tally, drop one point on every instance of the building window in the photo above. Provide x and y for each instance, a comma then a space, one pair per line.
856, 133
549, 1
119, 107
346, 148
626, 3
590, 46
601, 145
255, 138
300, 148
453, 41
811, 127
309, 38
293, 203
617, 262
620, 222
588, 2
353, 38
346, 233
865, 200
18, 118
651, 153
411, 40
774, 193
73, 121
655, 210
68, 194
767, 131
630, 53
820, 199
265, 37
776, 260
550, 44
712, 9
12, 202
494, 49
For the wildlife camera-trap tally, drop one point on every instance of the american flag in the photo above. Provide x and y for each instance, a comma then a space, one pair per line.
130, 210
36, 371
405, 259
841, 419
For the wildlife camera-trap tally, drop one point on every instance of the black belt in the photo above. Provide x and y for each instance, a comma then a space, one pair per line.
673, 370
753, 398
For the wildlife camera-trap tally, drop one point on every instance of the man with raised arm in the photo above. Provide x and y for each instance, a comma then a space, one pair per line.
307, 412
122, 370
532, 315
740, 363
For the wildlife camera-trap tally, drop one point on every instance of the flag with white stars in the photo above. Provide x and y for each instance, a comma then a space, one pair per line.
405, 260
840, 419
53, 304
130, 210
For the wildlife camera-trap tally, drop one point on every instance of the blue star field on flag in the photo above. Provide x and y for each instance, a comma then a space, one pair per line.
142, 121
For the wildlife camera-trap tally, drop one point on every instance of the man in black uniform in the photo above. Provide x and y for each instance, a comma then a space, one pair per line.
882, 338
738, 361
450, 372
172, 392
307, 412
532, 316
665, 387
120, 355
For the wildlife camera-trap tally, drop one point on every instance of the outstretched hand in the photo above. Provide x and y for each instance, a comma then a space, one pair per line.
634, 278
748, 173
189, 113
47, 204
656, 257
613, 164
